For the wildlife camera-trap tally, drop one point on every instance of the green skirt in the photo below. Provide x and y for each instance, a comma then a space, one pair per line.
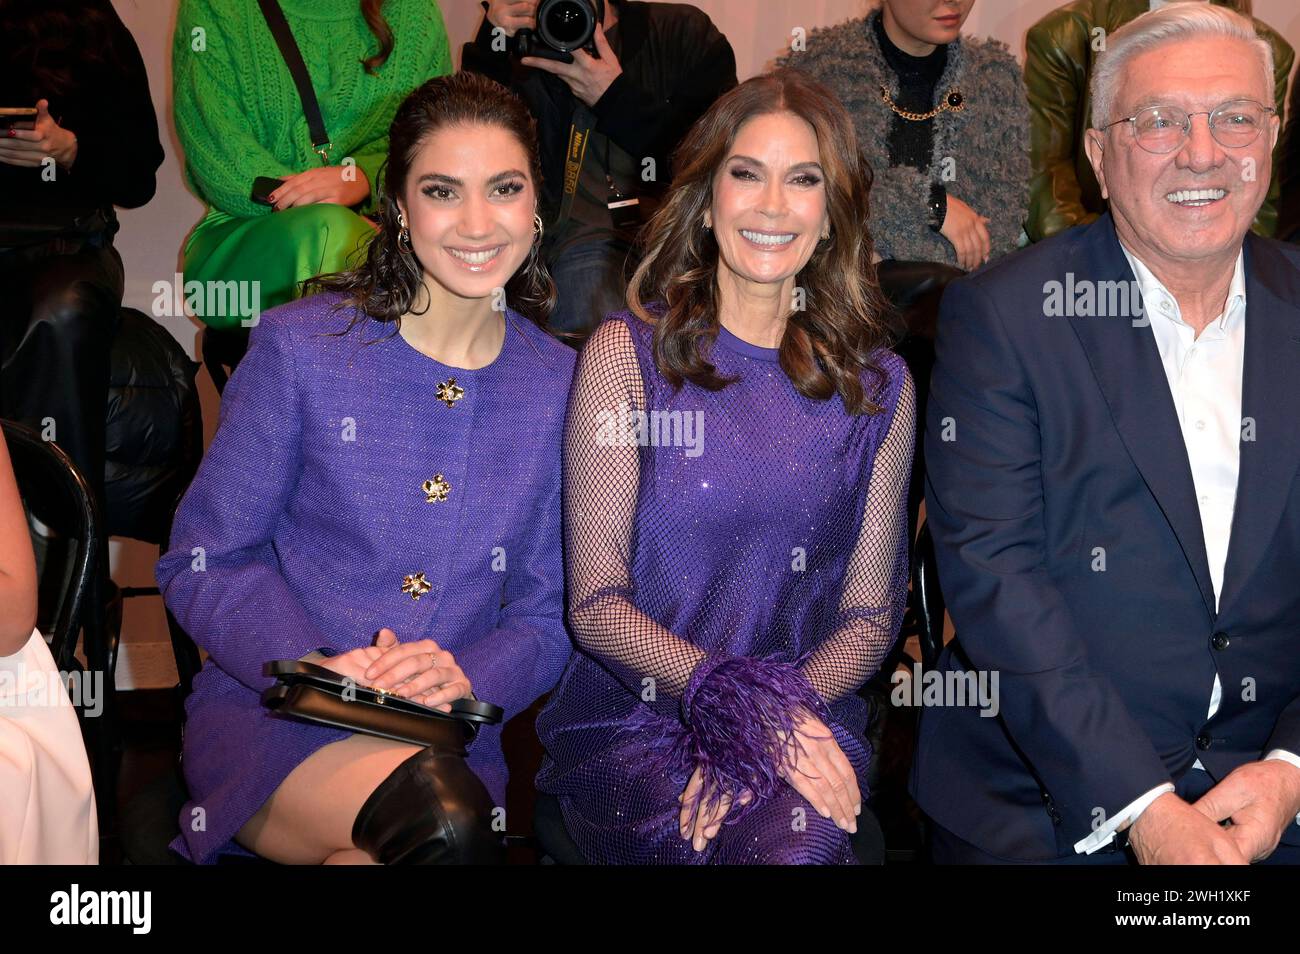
267, 257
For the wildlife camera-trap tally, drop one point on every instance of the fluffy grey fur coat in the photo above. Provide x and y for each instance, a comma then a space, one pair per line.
988, 141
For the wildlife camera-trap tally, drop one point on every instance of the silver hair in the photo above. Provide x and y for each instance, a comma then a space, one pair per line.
1177, 21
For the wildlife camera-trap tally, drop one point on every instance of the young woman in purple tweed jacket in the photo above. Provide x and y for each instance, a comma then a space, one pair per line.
382, 497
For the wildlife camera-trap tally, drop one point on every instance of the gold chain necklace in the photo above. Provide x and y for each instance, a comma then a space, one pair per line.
952, 102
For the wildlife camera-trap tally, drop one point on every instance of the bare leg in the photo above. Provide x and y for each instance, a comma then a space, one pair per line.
308, 819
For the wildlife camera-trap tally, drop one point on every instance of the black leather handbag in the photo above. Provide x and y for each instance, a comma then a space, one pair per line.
306, 691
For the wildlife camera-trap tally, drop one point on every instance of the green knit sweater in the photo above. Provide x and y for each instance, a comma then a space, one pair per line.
237, 110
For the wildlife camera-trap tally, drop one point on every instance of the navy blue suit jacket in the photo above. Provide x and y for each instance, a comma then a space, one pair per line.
1064, 439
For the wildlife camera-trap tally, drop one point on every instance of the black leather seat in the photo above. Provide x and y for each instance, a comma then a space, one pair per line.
154, 429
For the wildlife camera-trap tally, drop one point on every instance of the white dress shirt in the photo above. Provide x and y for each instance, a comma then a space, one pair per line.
1204, 375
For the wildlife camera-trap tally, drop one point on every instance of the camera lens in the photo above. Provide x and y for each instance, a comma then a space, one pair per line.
566, 24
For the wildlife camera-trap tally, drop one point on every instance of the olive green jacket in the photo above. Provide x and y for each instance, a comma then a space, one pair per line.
1058, 64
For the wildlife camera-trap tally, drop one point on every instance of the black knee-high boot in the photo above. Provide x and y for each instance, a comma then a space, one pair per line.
431, 810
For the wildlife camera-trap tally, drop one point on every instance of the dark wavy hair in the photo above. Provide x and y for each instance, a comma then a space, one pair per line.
385, 285
846, 318
372, 11
58, 46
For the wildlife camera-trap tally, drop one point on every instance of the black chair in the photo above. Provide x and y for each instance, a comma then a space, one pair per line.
927, 598
56, 493
924, 615
554, 845
914, 290
154, 443
891, 731
150, 819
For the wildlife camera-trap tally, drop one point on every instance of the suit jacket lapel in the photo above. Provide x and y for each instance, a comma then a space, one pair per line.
1270, 401
1127, 366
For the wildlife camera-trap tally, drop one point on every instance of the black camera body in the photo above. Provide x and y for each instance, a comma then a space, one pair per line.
562, 26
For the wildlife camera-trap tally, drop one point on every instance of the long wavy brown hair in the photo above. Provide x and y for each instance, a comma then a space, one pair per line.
830, 342
372, 11
389, 281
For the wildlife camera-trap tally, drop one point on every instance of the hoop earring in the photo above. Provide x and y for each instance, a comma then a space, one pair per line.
404, 234
535, 250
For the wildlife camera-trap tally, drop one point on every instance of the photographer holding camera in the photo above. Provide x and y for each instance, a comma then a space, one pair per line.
614, 85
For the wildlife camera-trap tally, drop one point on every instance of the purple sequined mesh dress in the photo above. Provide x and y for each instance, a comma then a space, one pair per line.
731, 555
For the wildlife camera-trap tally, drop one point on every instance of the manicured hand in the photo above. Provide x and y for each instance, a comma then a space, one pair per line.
421, 671
697, 822
324, 184
351, 664
29, 143
818, 769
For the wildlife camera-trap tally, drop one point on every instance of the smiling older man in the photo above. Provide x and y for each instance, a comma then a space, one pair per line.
1114, 496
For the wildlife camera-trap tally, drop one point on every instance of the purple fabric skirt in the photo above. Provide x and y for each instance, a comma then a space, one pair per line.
236, 753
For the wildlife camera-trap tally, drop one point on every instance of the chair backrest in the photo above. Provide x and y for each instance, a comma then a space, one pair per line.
57, 494
188, 661
928, 598
222, 350
153, 429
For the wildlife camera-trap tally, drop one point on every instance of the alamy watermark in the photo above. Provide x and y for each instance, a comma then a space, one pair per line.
210, 299
23, 688
75, 906
935, 688
628, 427
1086, 298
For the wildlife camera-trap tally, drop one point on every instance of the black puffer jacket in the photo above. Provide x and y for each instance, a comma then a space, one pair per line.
155, 430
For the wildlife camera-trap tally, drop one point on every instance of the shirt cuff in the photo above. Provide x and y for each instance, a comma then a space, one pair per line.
1127, 815
1285, 756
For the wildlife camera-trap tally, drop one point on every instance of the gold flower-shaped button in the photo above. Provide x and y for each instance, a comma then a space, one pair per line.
416, 585
449, 392
436, 489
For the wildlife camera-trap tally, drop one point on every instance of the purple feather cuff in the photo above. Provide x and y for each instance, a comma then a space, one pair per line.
735, 711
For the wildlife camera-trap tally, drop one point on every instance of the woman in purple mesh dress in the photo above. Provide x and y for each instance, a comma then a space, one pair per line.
388, 461
736, 463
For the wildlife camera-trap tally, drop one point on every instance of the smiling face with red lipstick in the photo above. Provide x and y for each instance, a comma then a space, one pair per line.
918, 26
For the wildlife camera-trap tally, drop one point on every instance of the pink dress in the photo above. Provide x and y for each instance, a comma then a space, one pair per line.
47, 803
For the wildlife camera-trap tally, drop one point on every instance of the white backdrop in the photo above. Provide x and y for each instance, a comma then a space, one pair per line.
151, 237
